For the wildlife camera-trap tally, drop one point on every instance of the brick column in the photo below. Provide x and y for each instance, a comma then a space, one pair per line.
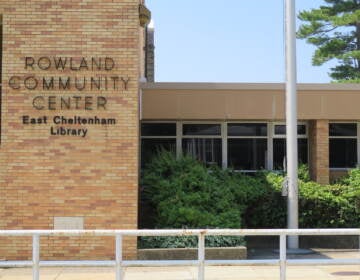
75, 165
319, 151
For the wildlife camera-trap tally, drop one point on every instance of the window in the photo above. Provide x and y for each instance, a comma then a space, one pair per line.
343, 145
158, 129
202, 129
156, 137
343, 129
203, 142
279, 145
247, 146
247, 129
280, 130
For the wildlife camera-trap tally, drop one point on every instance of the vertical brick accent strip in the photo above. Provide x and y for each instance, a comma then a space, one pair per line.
43, 176
319, 150
1, 55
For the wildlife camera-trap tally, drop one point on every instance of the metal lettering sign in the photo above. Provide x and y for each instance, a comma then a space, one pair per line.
92, 75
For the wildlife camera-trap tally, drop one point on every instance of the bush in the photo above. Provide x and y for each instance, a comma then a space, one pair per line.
320, 206
269, 210
151, 242
303, 173
187, 194
351, 191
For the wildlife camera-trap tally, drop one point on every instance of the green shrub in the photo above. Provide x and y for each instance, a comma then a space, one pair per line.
189, 241
187, 194
151, 242
303, 173
351, 191
269, 210
320, 206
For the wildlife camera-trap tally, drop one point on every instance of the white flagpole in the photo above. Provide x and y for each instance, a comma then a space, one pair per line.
291, 121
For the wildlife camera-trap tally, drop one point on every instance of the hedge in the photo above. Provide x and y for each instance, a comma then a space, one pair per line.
320, 206
187, 194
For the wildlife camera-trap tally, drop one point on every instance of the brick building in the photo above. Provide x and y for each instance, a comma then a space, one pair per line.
73, 101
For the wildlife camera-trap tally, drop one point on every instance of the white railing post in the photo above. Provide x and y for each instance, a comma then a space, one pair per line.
119, 257
201, 256
36, 256
282, 257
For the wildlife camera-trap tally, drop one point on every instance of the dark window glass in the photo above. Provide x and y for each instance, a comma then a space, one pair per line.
247, 129
206, 150
342, 129
150, 147
247, 154
201, 129
158, 129
279, 152
343, 153
301, 129
280, 129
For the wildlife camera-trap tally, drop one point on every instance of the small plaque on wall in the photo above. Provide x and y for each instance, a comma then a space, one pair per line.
68, 223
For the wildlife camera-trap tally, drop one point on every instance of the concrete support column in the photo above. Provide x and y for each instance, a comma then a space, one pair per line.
319, 150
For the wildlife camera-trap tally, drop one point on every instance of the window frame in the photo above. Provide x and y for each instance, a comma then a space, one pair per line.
224, 136
155, 137
227, 137
283, 136
181, 136
200, 136
357, 137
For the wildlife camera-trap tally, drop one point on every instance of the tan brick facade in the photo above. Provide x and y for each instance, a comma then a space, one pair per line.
319, 150
43, 176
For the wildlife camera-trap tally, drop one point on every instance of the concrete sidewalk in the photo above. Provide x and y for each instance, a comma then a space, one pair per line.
188, 273
351, 272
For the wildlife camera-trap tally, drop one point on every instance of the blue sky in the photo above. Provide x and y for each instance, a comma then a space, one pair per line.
227, 41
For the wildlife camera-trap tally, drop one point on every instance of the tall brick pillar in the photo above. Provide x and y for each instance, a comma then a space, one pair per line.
69, 124
319, 151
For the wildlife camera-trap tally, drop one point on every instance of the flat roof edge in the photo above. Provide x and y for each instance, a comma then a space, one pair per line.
247, 86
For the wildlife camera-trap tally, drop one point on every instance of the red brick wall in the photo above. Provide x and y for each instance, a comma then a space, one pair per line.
43, 176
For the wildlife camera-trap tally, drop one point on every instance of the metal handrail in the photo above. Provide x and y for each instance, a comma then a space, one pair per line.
201, 262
